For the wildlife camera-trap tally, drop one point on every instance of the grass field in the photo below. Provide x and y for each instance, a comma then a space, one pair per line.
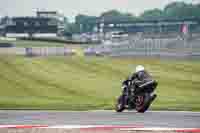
75, 83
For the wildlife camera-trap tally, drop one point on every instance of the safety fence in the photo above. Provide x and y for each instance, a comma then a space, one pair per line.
37, 51
170, 48
166, 47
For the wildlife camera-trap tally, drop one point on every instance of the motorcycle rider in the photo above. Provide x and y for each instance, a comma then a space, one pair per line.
140, 76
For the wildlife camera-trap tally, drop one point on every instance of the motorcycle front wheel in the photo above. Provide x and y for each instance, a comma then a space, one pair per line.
119, 107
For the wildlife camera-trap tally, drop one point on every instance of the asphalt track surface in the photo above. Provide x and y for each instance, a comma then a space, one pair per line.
165, 119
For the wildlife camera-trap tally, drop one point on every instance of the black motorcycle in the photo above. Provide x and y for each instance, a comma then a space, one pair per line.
140, 97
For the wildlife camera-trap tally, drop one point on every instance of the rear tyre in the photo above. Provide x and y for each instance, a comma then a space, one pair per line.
119, 107
143, 102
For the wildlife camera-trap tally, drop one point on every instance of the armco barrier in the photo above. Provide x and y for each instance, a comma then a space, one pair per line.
58, 40
49, 51
113, 51
37, 51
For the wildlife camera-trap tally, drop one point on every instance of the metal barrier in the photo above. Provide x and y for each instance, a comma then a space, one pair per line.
165, 47
37, 51
174, 47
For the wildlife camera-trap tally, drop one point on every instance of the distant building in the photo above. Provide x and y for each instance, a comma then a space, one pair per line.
50, 14
3, 23
1, 30
146, 26
53, 14
153, 26
31, 27
45, 24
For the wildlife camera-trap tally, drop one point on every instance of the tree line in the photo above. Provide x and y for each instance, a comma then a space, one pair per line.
174, 10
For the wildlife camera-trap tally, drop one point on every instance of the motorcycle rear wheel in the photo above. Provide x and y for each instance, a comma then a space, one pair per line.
143, 102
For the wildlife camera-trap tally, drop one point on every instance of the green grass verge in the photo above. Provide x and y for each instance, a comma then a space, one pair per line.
29, 43
23, 43
75, 83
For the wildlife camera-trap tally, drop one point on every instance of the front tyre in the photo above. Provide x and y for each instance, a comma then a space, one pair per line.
119, 107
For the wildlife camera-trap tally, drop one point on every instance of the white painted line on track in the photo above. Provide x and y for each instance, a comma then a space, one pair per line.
109, 111
104, 127
156, 129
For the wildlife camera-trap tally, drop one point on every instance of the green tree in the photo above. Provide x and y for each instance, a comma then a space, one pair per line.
85, 23
152, 14
195, 10
114, 15
179, 10
73, 28
111, 14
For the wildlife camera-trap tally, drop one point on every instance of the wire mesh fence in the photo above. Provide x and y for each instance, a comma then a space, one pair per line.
138, 47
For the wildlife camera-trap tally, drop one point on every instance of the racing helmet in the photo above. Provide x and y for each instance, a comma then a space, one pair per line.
139, 68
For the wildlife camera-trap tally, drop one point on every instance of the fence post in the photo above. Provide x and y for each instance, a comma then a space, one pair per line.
29, 52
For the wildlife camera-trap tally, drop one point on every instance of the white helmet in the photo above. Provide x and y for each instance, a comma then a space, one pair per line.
139, 68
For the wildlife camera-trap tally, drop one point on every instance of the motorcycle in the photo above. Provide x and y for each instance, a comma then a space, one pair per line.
140, 97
